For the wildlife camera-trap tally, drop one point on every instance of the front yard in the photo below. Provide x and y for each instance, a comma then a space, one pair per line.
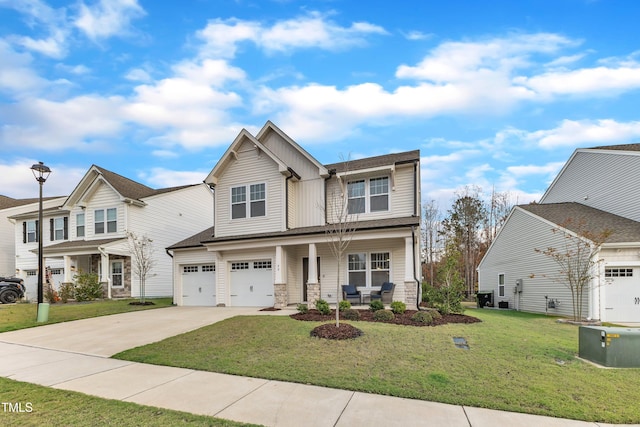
515, 362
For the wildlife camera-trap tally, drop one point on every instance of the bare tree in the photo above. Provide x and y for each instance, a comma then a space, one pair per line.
142, 261
432, 221
499, 207
341, 226
577, 259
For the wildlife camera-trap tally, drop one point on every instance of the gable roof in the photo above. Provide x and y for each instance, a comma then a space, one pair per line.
619, 147
8, 202
377, 161
573, 216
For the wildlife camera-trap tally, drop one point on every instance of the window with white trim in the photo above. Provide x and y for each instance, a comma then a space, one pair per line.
618, 272
117, 274
190, 269
369, 269
368, 195
236, 266
262, 265
253, 206
209, 267
58, 228
105, 219
80, 225
31, 231
500, 285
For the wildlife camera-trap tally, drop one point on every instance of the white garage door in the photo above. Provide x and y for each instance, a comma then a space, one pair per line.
252, 284
199, 285
623, 294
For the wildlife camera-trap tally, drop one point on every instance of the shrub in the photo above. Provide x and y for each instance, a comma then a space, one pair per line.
422, 317
398, 307
323, 307
87, 287
447, 299
351, 314
383, 315
303, 308
51, 295
67, 292
344, 305
376, 305
435, 314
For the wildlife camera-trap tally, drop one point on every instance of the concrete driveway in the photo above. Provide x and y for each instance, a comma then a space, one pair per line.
108, 335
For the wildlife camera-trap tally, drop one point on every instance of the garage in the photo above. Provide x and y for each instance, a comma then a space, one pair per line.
199, 285
622, 294
252, 284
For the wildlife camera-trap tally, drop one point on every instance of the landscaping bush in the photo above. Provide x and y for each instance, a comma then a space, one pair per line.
351, 314
303, 308
423, 317
87, 287
435, 314
344, 305
398, 307
447, 299
376, 305
67, 292
383, 315
323, 307
51, 295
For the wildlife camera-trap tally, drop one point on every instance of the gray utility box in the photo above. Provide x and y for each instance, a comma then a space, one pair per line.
612, 347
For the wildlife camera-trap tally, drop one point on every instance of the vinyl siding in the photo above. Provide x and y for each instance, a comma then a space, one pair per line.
603, 180
168, 218
252, 167
104, 197
513, 254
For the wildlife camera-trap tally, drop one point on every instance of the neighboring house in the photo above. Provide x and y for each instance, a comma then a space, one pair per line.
597, 190
268, 246
88, 232
8, 208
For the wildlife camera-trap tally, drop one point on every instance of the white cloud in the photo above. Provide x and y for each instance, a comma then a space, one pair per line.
417, 35
165, 178
18, 181
108, 18
549, 169
315, 30
138, 75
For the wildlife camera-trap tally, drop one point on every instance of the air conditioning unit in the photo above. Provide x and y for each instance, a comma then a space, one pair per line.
610, 346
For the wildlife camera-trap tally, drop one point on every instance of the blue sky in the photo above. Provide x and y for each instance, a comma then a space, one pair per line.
495, 94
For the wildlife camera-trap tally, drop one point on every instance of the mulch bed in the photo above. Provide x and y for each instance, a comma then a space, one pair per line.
347, 331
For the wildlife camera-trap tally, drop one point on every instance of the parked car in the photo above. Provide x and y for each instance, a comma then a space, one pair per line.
11, 289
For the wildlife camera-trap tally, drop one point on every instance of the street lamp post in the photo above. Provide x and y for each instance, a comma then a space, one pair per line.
41, 173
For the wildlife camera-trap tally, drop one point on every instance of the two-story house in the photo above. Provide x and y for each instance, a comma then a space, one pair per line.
595, 193
88, 231
274, 211
10, 207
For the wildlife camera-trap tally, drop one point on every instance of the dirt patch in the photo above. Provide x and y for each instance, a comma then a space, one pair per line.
398, 319
329, 331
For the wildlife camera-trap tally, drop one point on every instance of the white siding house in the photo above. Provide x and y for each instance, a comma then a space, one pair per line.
88, 232
595, 192
268, 244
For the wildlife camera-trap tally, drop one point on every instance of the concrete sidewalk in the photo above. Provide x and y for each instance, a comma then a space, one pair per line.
39, 356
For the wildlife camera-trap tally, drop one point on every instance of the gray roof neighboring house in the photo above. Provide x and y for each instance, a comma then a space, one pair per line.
131, 189
576, 217
8, 202
620, 147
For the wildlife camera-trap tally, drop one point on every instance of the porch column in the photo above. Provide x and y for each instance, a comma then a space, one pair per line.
67, 269
104, 262
410, 285
280, 285
313, 285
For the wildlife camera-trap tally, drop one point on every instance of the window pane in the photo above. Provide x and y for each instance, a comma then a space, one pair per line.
358, 278
378, 277
357, 262
355, 206
257, 208
238, 211
80, 231
379, 186
379, 203
99, 227
99, 216
257, 192
355, 189
111, 214
501, 290
380, 261
238, 195
112, 227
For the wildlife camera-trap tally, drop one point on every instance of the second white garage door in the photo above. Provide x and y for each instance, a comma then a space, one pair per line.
252, 284
199, 285
623, 294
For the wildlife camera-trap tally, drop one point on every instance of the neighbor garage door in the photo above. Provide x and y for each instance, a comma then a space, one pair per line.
252, 284
623, 294
199, 284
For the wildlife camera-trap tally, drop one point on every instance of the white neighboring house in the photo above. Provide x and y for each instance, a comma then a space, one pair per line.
88, 232
270, 221
8, 208
598, 187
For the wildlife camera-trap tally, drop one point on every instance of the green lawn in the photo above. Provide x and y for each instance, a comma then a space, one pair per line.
43, 406
516, 362
23, 315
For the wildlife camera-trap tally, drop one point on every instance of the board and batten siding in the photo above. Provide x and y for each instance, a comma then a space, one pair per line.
513, 254
251, 167
168, 218
603, 180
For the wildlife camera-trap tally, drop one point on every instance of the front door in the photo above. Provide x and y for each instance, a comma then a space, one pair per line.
305, 276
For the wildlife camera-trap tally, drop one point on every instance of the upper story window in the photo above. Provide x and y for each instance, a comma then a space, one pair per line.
29, 231
80, 225
59, 228
254, 205
105, 220
368, 195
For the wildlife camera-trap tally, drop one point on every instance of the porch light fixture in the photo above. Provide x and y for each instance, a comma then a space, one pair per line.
41, 172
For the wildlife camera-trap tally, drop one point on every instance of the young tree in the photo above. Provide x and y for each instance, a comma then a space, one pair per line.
432, 225
142, 261
577, 259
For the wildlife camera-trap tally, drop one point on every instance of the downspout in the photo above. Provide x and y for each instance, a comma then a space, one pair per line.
173, 276
103, 253
415, 277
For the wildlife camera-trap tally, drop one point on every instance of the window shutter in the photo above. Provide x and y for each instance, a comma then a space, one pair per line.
51, 230
66, 228
24, 232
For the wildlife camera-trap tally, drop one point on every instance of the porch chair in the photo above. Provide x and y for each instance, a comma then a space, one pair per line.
351, 293
385, 293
